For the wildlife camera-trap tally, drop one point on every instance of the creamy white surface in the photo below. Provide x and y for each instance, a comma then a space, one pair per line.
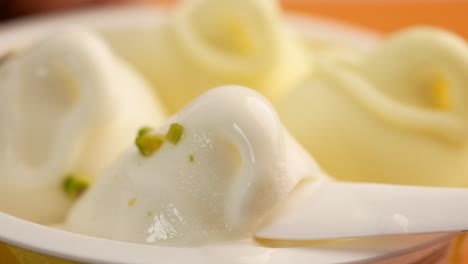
85, 249
396, 115
244, 164
207, 43
67, 105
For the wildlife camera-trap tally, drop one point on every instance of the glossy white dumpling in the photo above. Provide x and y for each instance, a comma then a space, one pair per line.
67, 105
233, 164
207, 43
397, 115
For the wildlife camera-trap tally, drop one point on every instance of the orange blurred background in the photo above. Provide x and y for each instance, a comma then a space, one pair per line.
388, 15
380, 15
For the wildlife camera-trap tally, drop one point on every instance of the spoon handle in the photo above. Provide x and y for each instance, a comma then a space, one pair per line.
338, 210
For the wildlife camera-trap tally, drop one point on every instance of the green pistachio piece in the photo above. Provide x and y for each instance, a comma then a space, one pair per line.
148, 143
74, 185
175, 133
132, 202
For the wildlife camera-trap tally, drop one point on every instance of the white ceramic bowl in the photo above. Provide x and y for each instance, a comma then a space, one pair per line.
54, 242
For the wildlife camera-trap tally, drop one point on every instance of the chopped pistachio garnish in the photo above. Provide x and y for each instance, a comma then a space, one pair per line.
132, 202
149, 213
191, 158
148, 143
144, 131
175, 133
74, 185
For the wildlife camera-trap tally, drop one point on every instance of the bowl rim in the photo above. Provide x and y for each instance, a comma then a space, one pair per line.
88, 249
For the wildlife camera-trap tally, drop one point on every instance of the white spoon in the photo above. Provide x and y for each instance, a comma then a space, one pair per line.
338, 210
